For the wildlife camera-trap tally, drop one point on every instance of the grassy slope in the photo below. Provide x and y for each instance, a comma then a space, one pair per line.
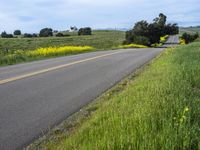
191, 30
160, 109
100, 40
198, 40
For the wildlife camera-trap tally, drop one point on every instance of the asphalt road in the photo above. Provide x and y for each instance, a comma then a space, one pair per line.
38, 95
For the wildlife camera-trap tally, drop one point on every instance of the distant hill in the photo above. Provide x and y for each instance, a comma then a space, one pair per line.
190, 29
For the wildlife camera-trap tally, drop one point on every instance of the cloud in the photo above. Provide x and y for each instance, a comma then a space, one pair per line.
33, 15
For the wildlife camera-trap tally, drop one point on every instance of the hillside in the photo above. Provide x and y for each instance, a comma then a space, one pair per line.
100, 39
190, 29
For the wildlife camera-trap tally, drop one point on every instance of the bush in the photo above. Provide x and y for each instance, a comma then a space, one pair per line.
85, 31
188, 38
46, 32
17, 32
27, 35
61, 35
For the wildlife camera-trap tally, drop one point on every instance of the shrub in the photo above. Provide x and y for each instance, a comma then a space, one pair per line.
163, 39
46, 32
27, 35
17, 32
59, 34
189, 37
85, 31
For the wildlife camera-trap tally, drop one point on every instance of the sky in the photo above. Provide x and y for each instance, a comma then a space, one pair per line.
32, 15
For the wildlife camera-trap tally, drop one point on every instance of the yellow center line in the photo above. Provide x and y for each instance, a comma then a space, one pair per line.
53, 68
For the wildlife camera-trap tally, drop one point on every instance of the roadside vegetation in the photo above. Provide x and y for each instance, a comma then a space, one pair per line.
158, 109
16, 47
188, 38
41, 53
132, 46
189, 34
163, 39
16, 50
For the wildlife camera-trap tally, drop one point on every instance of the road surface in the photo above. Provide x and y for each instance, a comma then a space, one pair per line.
38, 95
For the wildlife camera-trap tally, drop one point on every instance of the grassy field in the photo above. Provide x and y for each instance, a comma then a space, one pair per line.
190, 30
42, 53
17, 50
158, 109
100, 40
198, 40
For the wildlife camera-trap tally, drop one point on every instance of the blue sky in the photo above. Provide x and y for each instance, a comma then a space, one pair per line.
32, 15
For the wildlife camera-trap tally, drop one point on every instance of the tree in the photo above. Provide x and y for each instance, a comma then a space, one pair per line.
85, 31
46, 32
73, 28
141, 28
34, 35
171, 29
152, 32
5, 35
17, 32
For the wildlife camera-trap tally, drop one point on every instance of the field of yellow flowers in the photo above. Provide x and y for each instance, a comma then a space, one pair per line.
132, 46
57, 51
40, 53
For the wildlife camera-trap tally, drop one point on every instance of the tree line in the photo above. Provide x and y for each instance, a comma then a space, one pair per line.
45, 32
149, 33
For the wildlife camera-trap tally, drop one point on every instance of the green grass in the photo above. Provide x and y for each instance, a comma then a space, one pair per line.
190, 30
18, 47
159, 109
100, 40
41, 53
197, 40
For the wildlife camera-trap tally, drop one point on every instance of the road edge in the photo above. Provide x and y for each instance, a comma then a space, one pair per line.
70, 124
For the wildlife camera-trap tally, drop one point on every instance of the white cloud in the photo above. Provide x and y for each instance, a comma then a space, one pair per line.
35, 14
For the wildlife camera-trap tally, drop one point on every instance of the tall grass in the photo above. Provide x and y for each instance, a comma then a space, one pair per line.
22, 56
160, 109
